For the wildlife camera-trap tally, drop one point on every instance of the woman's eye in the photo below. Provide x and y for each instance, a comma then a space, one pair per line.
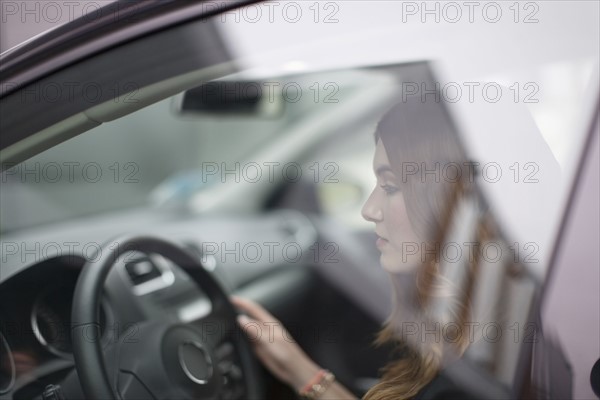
389, 189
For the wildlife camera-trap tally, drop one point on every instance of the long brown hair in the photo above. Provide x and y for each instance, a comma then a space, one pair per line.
419, 134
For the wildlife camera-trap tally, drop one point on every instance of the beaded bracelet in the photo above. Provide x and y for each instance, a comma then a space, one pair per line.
317, 385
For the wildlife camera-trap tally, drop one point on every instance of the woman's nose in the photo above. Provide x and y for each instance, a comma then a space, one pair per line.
371, 211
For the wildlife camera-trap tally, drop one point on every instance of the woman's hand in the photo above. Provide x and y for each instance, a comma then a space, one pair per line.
274, 345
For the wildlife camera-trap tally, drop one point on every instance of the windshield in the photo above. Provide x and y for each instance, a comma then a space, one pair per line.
183, 152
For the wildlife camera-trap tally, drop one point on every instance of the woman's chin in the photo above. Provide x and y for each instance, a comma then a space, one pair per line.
396, 264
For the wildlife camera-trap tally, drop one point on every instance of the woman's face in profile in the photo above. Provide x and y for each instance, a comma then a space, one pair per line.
387, 209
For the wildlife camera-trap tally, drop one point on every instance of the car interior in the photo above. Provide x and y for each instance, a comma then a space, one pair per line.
176, 175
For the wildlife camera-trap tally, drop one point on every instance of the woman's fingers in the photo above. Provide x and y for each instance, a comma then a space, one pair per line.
273, 345
249, 325
244, 320
253, 309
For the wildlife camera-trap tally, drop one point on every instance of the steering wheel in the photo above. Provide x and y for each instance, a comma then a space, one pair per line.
169, 358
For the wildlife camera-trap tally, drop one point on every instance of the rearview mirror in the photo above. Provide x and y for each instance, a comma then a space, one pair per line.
243, 98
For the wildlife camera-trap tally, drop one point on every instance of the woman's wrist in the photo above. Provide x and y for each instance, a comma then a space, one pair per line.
318, 385
302, 374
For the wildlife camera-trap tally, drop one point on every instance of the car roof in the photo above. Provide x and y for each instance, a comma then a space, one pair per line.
105, 27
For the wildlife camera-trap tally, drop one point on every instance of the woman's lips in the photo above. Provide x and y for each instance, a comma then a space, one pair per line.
381, 242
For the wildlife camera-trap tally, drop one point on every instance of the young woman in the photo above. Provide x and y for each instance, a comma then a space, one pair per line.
422, 175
